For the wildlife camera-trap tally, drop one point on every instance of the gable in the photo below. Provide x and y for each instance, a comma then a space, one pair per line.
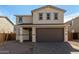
44, 11
48, 8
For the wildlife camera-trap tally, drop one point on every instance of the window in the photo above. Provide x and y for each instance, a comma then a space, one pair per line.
56, 16
48, 16
20, 19
75, 36
40, 16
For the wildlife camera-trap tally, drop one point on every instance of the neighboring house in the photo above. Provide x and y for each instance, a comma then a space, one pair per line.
73, 27
46, 24
6, 26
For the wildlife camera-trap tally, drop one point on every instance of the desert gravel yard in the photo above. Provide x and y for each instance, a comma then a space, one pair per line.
13, 47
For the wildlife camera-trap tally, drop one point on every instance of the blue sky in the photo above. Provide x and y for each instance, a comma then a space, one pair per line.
11, 10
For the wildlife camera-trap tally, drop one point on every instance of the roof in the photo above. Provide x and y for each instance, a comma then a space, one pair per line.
41, 24
7, 19
23, 15
72, 19
76, 18
41, 8
50, 7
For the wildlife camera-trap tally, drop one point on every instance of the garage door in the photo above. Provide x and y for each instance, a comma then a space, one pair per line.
49, 35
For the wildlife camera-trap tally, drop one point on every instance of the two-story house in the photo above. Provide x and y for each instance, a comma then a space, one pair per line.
46, 24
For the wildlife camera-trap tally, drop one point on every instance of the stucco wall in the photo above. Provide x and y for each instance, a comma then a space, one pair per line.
76, 24
5, 26
73, 25
45, 21
27, 19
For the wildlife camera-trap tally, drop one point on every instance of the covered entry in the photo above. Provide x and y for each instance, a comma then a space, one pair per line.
50, 34
27, 34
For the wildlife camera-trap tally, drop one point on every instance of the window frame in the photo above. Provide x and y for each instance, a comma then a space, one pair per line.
48, 16
20, 19
55, 16
40, 16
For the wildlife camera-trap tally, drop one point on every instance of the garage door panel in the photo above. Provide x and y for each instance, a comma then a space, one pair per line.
50, 34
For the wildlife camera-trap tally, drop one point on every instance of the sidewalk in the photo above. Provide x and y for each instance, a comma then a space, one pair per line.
74, 44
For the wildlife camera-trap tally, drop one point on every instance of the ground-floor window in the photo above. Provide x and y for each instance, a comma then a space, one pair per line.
75, 36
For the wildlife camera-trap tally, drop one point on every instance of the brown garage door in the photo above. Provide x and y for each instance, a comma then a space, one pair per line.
49, 35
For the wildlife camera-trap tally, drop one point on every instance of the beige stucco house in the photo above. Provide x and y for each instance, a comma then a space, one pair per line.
6, 26
46, 24
73, 27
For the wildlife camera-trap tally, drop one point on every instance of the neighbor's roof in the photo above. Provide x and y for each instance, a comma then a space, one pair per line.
50, 7
77, 17
7, 19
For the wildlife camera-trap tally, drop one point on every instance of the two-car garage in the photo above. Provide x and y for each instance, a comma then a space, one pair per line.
50, 34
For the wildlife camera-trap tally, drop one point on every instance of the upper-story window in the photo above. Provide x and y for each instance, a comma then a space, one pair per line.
48, 16
56, 16
20, 20
40, 16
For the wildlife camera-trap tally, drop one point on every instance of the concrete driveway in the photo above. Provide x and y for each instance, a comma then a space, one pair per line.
53, 48
13, 47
